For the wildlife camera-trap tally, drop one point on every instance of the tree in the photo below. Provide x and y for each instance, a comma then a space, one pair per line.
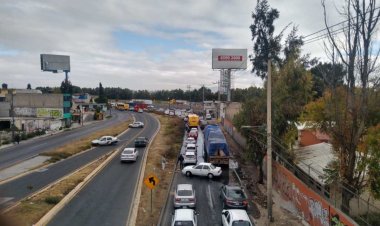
66, 87
266, 45
327, 75
29, 86
101, 96
356, 53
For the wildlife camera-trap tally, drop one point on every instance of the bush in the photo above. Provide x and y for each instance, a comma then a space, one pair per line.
52, 200
6, 141
24, 136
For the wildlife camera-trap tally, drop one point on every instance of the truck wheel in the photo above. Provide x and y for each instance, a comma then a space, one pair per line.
188, 173
210, 175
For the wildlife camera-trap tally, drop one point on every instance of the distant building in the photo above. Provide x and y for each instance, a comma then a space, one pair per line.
32, 110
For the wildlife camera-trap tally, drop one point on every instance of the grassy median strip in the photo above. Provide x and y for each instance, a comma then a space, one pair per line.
167, 144
30, 210
83, 144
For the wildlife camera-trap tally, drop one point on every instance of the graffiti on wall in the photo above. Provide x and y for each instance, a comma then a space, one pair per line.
25, 112
50, 112
311, 206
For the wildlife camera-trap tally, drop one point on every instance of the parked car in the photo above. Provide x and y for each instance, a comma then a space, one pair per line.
184, 217
136, 124
236, 218
129, 154
233, 197
208, 117
202, 169
105, 140
141, 142
184, 196
141, 110
190, 157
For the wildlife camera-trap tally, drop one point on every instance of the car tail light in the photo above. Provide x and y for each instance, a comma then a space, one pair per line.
245, 203
177, 199
191, 199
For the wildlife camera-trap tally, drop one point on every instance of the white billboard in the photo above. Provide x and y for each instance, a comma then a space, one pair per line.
229, 58
55, 63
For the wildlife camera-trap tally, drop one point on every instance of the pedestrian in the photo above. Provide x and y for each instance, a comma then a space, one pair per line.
180, 160
17, 138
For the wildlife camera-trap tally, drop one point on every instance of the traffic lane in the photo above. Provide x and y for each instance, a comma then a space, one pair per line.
29, 148
107, 198
26, 185
209, 204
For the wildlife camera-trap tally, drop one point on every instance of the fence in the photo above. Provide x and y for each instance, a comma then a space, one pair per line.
364, 209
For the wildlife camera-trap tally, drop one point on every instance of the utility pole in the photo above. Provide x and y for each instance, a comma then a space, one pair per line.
13, 117
269, 143
188, 89
203, 98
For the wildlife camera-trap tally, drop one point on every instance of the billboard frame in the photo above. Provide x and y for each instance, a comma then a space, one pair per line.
55, 63
235, 59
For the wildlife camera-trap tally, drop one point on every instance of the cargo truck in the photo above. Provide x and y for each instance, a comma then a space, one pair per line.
216, 148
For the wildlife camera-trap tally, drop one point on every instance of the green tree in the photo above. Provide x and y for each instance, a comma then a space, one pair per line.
29, 86
266, 45
101, 96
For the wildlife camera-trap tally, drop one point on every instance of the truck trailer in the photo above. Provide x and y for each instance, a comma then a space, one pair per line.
216, 147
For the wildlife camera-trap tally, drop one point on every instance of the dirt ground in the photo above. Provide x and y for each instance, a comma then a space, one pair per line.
257, 192
166, 144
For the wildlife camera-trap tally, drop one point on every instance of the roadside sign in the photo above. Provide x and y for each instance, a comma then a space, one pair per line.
151, 181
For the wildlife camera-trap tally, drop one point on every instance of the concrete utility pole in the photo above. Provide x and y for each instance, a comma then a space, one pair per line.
229, 85
13, 117
269, 143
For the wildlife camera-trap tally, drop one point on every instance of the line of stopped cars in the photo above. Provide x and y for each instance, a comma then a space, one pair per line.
234, 199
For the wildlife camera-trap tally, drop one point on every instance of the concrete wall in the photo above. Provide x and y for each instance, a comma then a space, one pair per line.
4, 109
34, 100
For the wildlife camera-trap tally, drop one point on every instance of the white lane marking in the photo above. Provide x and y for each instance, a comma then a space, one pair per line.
211, 204
5, 199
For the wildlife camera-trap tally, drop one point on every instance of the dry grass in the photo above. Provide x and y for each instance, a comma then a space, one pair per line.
82, 144
32, 209
167, 143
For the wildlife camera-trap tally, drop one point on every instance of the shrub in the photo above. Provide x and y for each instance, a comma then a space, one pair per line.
52, 200
6, 141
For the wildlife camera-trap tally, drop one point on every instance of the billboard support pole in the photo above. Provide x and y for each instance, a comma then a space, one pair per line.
229, 85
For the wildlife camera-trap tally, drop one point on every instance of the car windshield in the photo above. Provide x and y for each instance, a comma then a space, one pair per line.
185, 192
241, 223
128, 152
212, 166
183, 223
236, 194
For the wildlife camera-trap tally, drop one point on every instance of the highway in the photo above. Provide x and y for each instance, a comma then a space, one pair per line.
14, 190
208, 203
107, 198
29, 148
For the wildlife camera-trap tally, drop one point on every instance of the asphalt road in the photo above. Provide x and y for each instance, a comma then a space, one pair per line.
208, 203
29, 148
107, 198
14, 190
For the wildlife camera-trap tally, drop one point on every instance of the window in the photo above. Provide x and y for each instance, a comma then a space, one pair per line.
206, 168
199, 167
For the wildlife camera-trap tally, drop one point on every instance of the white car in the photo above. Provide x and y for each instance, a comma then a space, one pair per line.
105, 140
184, 196
136, 124
129, 154
191, 147
202, 169
208, 117
235, 217
190, 158
185, 217
190, 140
141, 110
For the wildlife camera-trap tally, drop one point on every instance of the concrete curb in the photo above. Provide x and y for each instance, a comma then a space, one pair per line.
132, 216
49, 215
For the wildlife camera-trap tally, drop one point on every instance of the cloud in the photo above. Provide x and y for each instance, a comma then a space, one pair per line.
144, 44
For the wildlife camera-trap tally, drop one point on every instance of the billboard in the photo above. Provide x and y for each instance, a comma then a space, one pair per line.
229, 58
55, 63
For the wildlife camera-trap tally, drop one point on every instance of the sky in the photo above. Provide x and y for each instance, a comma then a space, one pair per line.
145, 44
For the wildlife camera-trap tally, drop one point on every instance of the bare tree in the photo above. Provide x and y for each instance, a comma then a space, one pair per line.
355, 51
